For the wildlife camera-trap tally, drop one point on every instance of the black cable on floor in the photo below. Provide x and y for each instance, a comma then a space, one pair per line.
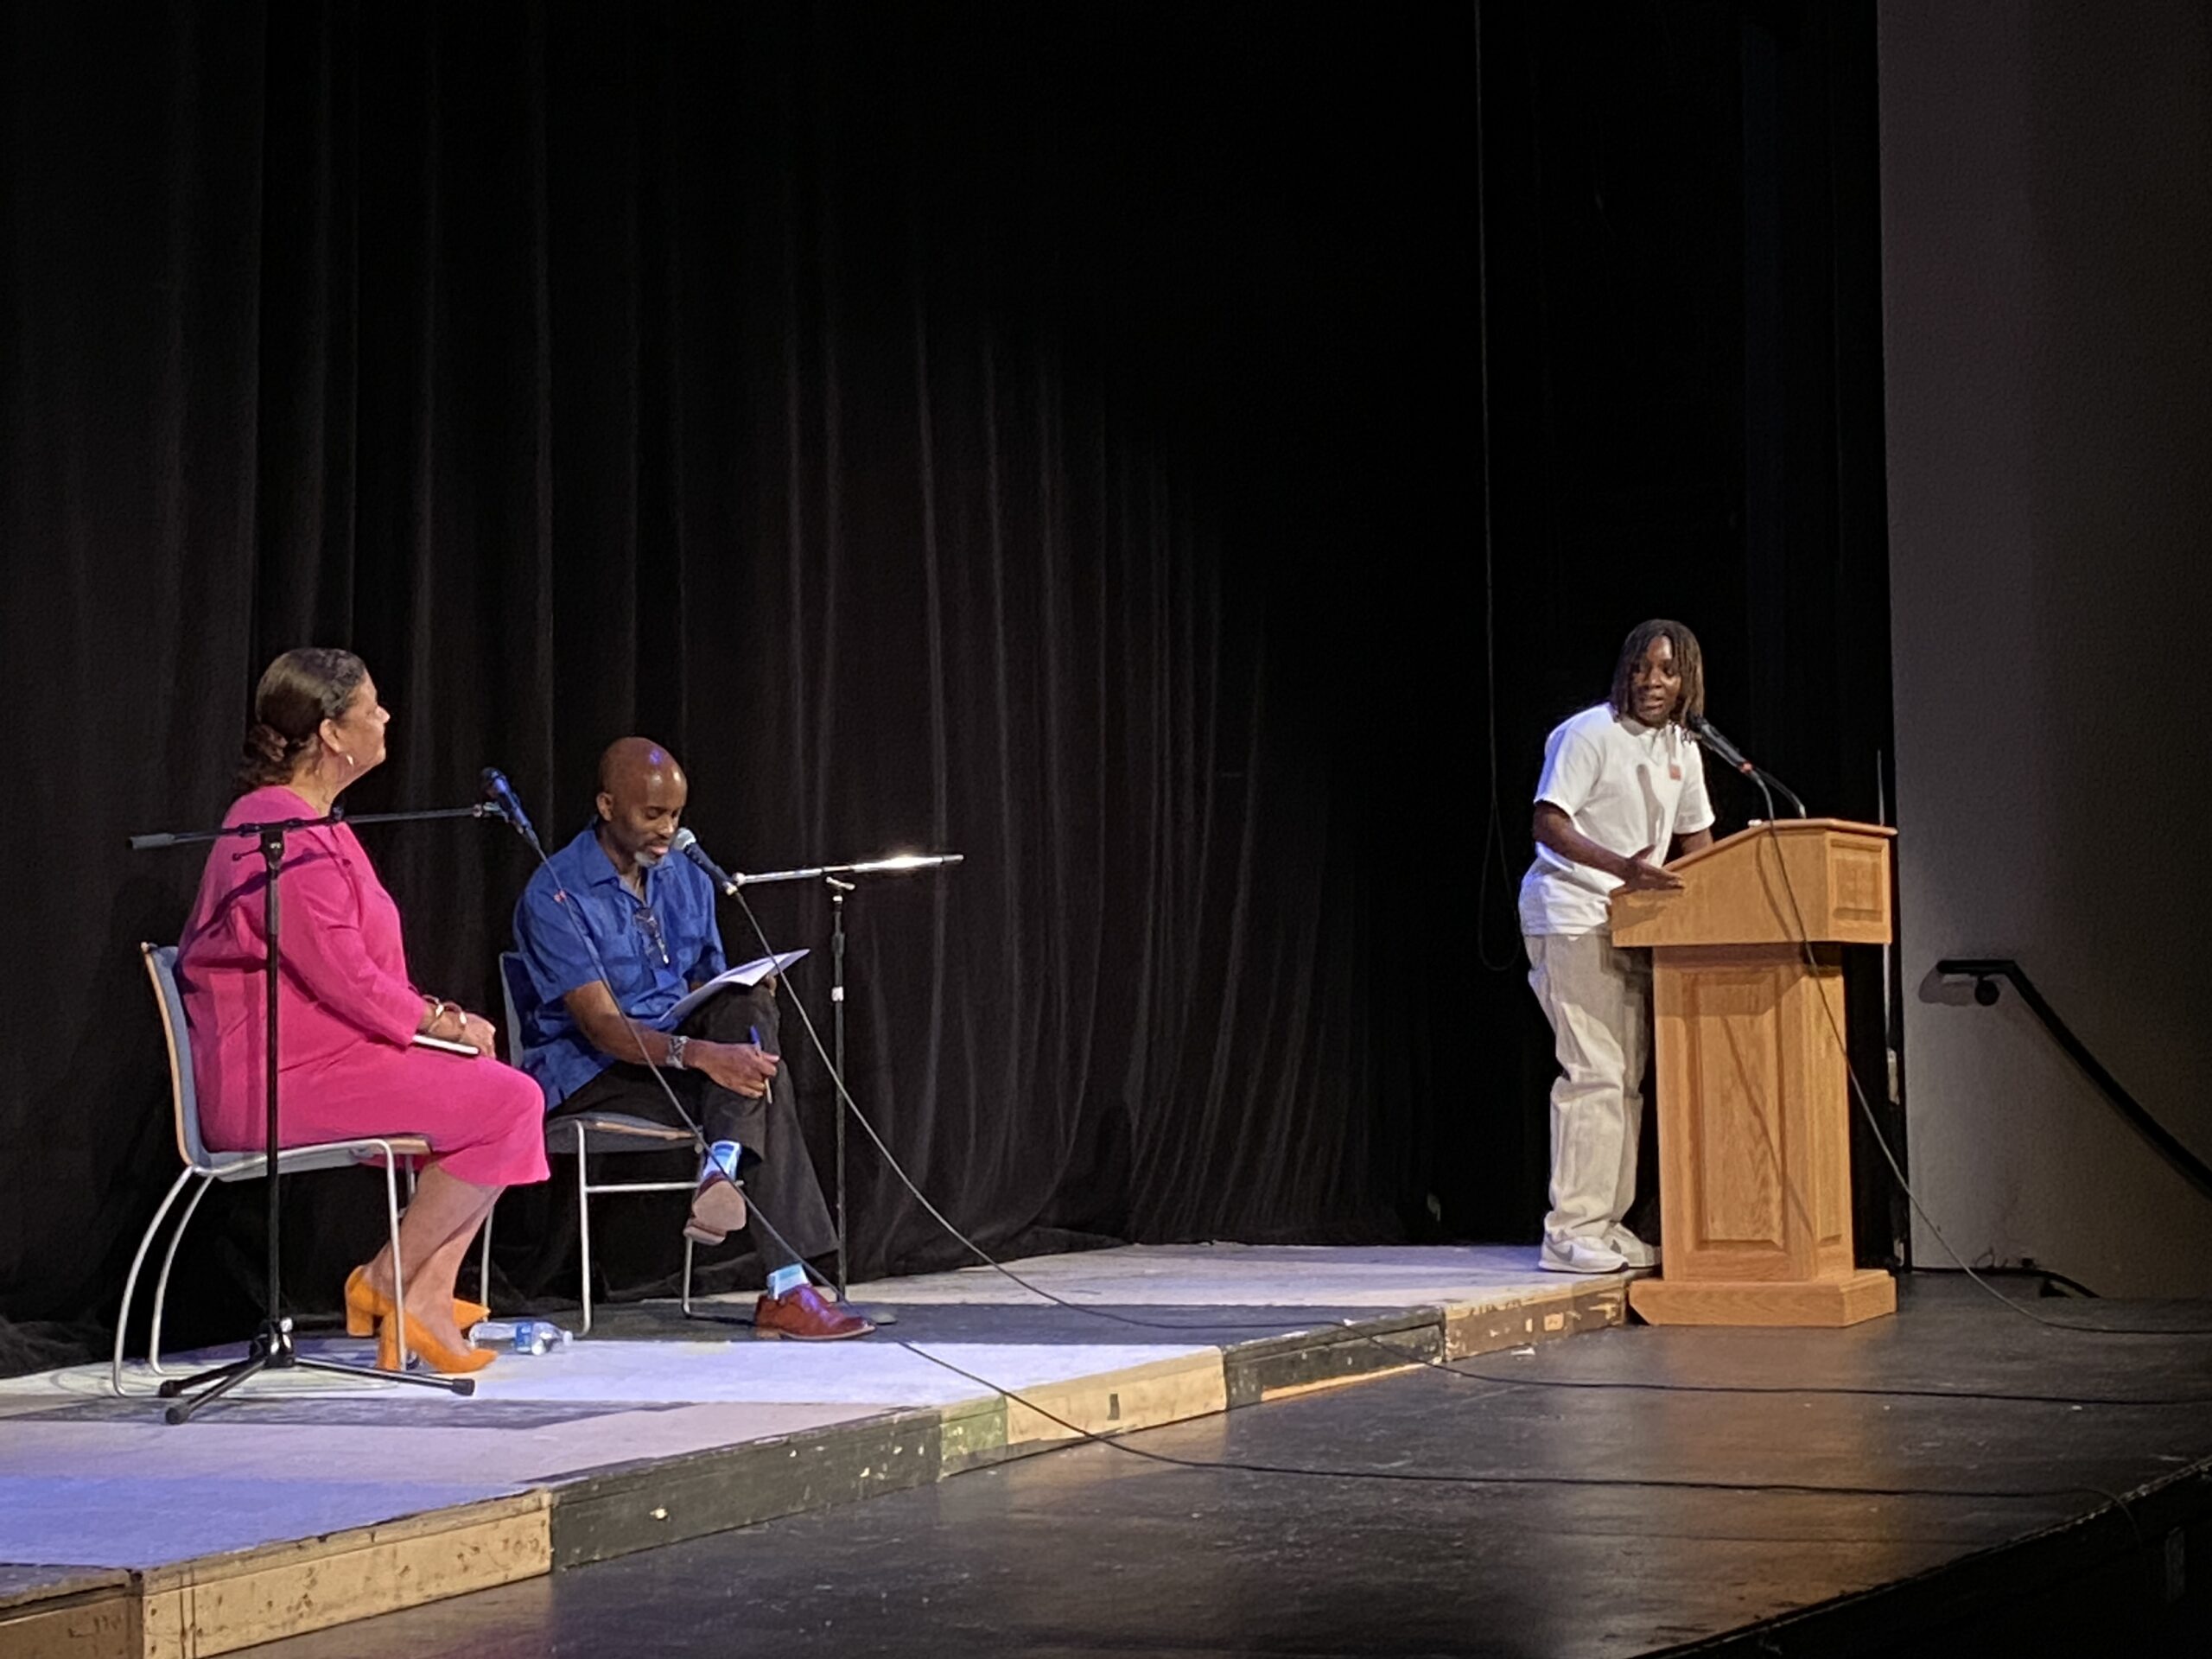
1455, 1368
1458, 1479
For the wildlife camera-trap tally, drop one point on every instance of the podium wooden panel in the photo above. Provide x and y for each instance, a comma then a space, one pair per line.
1753, 1085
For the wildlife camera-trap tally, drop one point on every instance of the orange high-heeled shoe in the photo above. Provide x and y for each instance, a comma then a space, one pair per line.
364, 1306
428, 1348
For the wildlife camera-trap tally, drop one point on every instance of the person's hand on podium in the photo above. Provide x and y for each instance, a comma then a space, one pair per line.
1639, 874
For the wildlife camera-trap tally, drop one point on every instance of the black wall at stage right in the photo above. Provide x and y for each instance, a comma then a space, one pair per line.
2047, 251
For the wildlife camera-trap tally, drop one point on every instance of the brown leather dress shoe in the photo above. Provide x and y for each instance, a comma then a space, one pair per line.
802, 1315
717, 1208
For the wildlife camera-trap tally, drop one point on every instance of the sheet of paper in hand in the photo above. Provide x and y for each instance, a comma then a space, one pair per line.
746, 975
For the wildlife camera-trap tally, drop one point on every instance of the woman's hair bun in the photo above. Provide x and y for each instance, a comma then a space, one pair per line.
300, 691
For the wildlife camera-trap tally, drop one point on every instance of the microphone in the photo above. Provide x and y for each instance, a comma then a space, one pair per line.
501, 794
688, 844
1709, 735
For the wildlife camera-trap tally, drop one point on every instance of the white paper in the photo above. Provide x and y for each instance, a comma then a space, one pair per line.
745, 974
446, 1043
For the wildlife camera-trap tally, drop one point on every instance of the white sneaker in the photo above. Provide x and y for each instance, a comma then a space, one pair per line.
1581, 1255
1631, 1248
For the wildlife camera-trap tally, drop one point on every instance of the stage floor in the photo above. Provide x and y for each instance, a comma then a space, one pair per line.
306, 1500
1957, 1478
1953, 1480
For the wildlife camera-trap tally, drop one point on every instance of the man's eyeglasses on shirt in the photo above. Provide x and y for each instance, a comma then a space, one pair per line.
649, 924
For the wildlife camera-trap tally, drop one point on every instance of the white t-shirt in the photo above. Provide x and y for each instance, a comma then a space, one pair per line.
1627, 786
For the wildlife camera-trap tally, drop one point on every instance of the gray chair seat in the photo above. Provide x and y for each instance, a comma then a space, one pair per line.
611, 1132
579, 1136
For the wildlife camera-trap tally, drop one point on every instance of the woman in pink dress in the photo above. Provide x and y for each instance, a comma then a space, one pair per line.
348, 1013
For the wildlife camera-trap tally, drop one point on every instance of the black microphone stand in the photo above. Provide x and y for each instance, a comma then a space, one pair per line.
831, 876
271, 1347
838, 889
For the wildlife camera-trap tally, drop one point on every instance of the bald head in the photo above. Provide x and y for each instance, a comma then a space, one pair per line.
630, 764
641, 796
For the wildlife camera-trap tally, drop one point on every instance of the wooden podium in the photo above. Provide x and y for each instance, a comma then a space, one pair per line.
1753, 1086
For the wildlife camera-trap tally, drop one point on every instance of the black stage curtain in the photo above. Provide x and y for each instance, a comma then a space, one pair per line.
1055, 434
899, 412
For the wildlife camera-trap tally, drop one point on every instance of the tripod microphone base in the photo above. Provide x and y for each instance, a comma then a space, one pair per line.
272, 1350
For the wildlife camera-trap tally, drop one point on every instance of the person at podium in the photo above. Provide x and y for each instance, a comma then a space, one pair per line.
1622, 790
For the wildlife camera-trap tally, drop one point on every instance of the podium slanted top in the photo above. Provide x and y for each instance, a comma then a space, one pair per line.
1821, 881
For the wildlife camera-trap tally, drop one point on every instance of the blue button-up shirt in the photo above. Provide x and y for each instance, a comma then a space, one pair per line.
654, 950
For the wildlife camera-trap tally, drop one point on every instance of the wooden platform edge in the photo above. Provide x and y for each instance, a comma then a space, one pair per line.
97, 1622
1331, 1356
599, 1514
218, 1604
1150, 1395
1575, 1308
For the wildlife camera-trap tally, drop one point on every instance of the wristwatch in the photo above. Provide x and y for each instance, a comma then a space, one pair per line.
676, 1043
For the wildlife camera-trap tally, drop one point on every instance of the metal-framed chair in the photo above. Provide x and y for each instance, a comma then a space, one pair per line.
578, 1135
208, 1167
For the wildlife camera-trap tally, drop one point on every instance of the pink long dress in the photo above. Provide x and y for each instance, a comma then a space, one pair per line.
346, 1013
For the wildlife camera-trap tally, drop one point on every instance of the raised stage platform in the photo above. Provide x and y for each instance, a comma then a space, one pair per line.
308, 1501
1958, 1474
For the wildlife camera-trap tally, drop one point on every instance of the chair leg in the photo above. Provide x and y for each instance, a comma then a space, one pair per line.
161, 1284
688, 1248
398, 1267
484, 1258
583, 1226
130, 1283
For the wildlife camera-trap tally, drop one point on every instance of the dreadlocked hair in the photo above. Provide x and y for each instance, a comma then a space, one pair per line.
1689, 663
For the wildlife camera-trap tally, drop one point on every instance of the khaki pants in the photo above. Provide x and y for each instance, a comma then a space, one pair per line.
1598, 1001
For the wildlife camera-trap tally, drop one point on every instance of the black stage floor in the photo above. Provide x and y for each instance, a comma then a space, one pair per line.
1942, 1482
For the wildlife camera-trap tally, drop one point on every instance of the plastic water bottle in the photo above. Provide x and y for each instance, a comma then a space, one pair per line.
519, 1335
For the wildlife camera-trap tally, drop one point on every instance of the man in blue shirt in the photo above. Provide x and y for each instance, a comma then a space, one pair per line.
594, 1043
